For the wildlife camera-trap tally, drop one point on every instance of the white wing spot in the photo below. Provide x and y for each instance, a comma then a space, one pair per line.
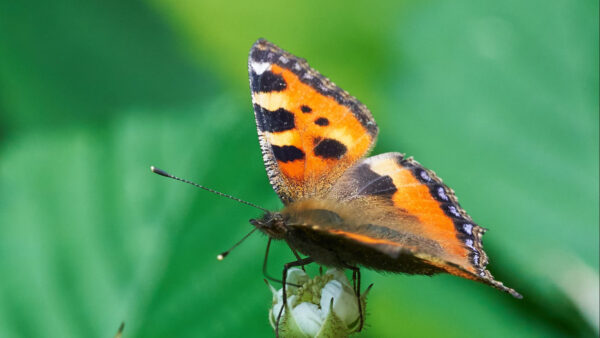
469, 243
442, 194
453, 211
467, 227
260, 67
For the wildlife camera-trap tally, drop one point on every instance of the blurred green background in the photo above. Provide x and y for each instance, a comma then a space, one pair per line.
499, 98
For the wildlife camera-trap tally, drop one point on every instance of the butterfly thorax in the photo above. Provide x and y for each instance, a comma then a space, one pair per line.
291, 224
302, 225
312, 213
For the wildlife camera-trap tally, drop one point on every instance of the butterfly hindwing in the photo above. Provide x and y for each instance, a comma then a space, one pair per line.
310, 130
422, 207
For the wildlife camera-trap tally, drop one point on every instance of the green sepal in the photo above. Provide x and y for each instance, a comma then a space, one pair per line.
363, 302
288, 328
333, 326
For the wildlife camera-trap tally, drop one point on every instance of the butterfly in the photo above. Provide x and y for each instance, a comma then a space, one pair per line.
386, 212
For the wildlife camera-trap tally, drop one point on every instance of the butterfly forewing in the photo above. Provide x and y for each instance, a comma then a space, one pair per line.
310, 130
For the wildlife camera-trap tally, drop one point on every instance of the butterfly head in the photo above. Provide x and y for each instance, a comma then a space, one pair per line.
272, 224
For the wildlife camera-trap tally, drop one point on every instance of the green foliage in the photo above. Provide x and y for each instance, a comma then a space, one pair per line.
499, 98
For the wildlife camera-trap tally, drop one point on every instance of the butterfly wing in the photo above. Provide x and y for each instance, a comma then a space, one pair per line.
310, 130
416, 213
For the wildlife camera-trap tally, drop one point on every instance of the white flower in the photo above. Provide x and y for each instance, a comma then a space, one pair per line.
312, 303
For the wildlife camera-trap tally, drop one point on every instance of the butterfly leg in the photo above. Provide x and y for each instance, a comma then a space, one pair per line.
356, 285
264, 267
286, 267
297, 257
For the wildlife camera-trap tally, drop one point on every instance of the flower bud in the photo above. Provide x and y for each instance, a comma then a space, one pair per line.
323, 306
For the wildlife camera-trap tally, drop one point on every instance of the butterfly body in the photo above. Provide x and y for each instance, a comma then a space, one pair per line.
386, 212
313, 228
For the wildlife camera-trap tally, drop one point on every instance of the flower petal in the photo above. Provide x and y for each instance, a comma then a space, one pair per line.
308, 318
339, 275
277, 307
296, 276
345, 305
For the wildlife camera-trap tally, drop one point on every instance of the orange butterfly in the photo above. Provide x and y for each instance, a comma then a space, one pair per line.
385, 212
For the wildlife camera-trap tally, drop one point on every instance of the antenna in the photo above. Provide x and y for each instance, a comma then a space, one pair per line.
166, 174
224, 254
